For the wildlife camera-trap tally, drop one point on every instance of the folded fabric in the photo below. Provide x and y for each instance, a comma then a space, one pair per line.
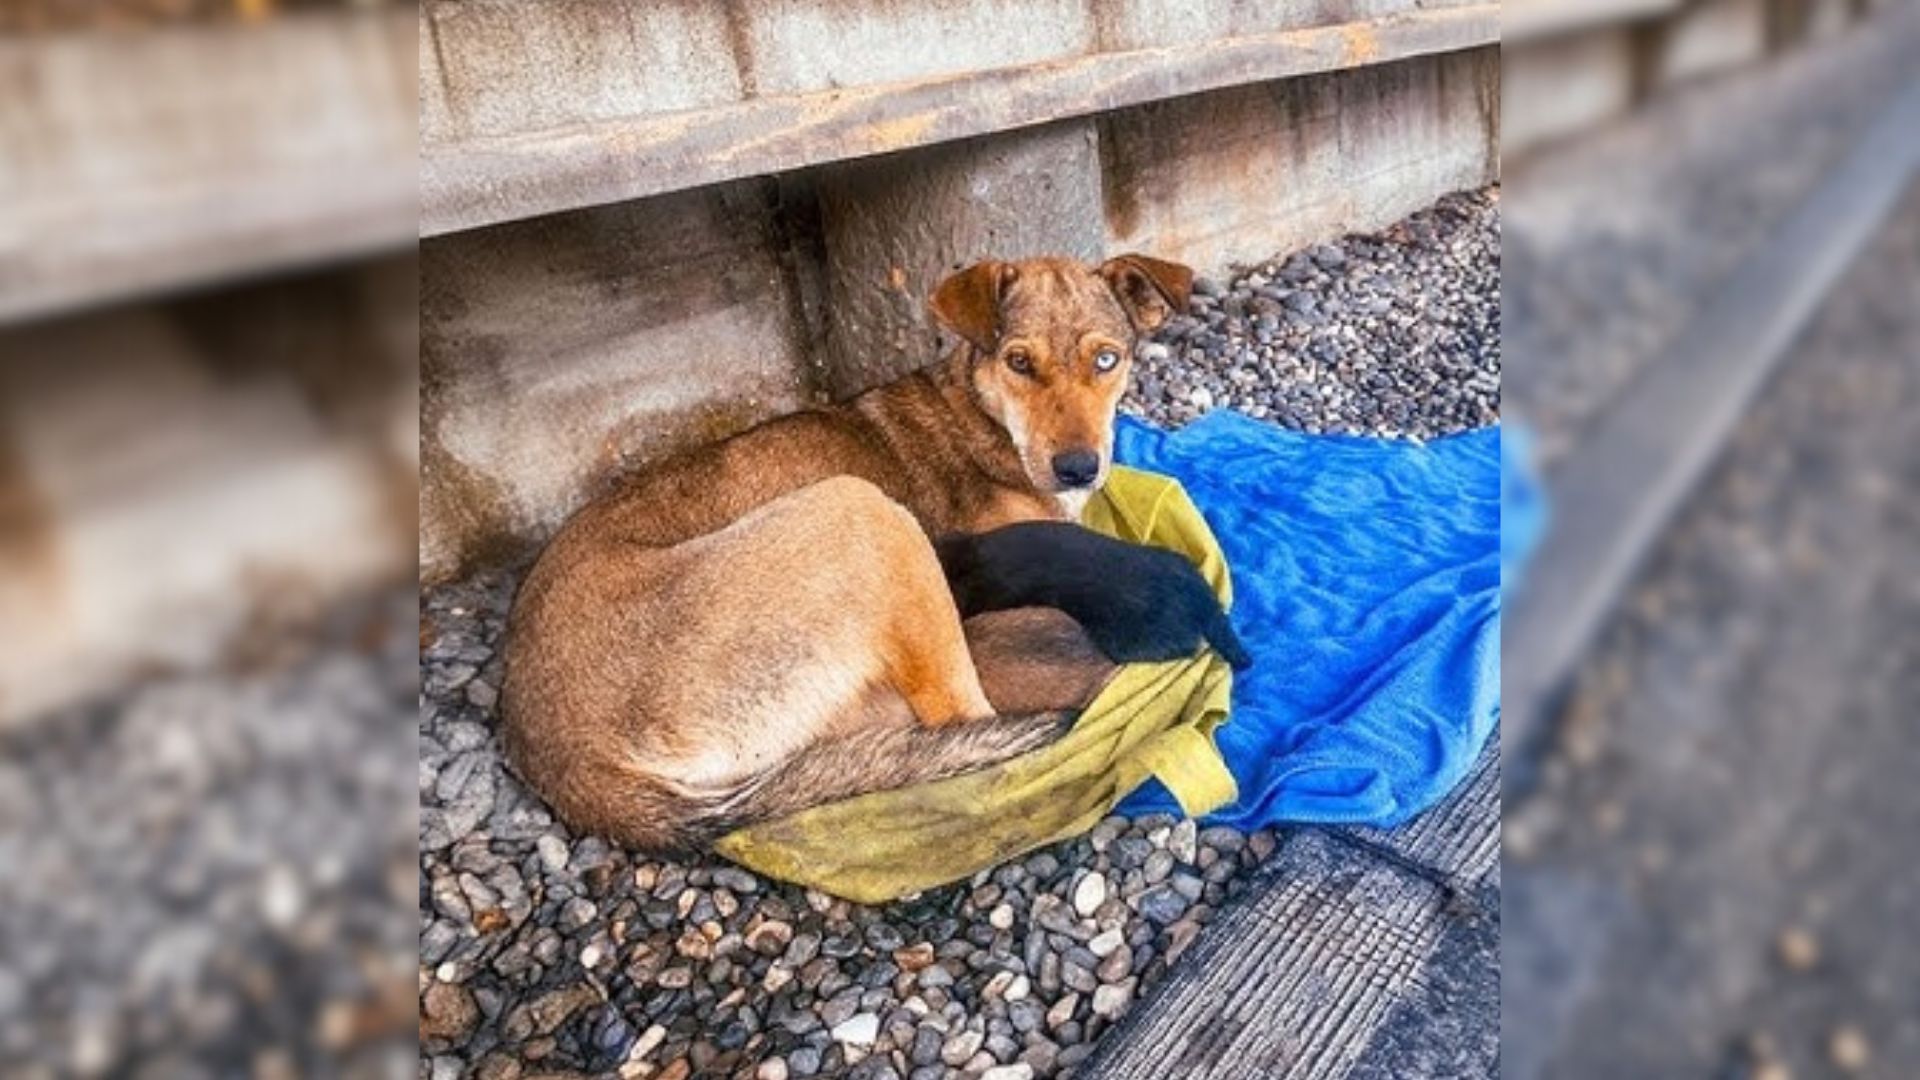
1366, 583
1149, 720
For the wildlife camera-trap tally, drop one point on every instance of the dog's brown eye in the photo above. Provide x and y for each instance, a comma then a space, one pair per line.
1106, 360
1020, 362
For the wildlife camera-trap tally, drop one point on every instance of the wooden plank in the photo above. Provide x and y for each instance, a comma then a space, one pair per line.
468, 185
1334, 945
1615, 496
1292, 979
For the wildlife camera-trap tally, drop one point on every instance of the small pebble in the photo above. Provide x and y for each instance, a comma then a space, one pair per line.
1089, 894
1797, 949
1848, 1049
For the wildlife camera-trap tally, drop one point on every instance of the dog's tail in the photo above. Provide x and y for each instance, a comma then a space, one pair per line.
657, 815
1219, 634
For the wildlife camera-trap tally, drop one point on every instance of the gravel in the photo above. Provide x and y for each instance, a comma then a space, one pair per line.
581, 959
206, 876
1395, 334
541, 951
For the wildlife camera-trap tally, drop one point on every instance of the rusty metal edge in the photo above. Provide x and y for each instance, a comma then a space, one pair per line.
473, 184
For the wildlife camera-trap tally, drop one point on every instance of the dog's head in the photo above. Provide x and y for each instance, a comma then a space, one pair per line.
1053, 342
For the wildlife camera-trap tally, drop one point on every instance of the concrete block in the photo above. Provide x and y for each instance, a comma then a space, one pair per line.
144, 161
796, 46
558, 351
1234, 177
1559, 85
510, 66
1828, 19
1412, 131
894, 226
155, 508
1710, 37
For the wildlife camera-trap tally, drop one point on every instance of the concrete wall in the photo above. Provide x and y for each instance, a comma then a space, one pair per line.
561, 350
892, 227
177, 477
1597, 62
557, 351
494, 67
135, 162
1236, 176
1565, 84
1711, 36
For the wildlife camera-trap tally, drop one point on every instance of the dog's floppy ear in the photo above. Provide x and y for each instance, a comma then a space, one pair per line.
968, 302
1152, 290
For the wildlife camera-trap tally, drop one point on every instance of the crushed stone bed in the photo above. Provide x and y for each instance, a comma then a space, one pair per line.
1395, 334
206, 876
546, 953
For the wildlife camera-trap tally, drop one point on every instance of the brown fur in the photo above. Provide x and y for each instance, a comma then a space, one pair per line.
761, 625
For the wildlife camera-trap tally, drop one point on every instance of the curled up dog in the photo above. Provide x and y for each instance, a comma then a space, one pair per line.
762, 625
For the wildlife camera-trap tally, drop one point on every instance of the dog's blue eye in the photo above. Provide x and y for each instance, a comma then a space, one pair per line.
1106, 360
1020, 362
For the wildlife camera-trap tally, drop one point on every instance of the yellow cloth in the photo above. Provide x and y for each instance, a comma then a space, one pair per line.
1150, 720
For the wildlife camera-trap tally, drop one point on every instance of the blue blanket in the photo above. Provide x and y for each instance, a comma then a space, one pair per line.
1366, 583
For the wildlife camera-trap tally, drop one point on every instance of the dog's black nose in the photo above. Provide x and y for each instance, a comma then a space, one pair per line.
1076, 468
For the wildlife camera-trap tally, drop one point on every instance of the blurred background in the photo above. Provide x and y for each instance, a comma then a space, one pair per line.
208, 462
208, 485
1711, 263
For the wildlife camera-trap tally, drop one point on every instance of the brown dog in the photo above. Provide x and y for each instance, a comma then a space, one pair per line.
761, 625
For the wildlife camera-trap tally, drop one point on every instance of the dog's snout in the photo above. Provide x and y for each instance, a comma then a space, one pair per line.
1076, 468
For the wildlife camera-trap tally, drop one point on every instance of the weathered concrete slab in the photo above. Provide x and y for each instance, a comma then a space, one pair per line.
1293, 979
1711, 36
1148, 24
1564, 84
803, 46
482, 181
893, 227
1558, 927
503, 66
157, 160
155, 508
558, 351
1233, 177
1450, 1025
